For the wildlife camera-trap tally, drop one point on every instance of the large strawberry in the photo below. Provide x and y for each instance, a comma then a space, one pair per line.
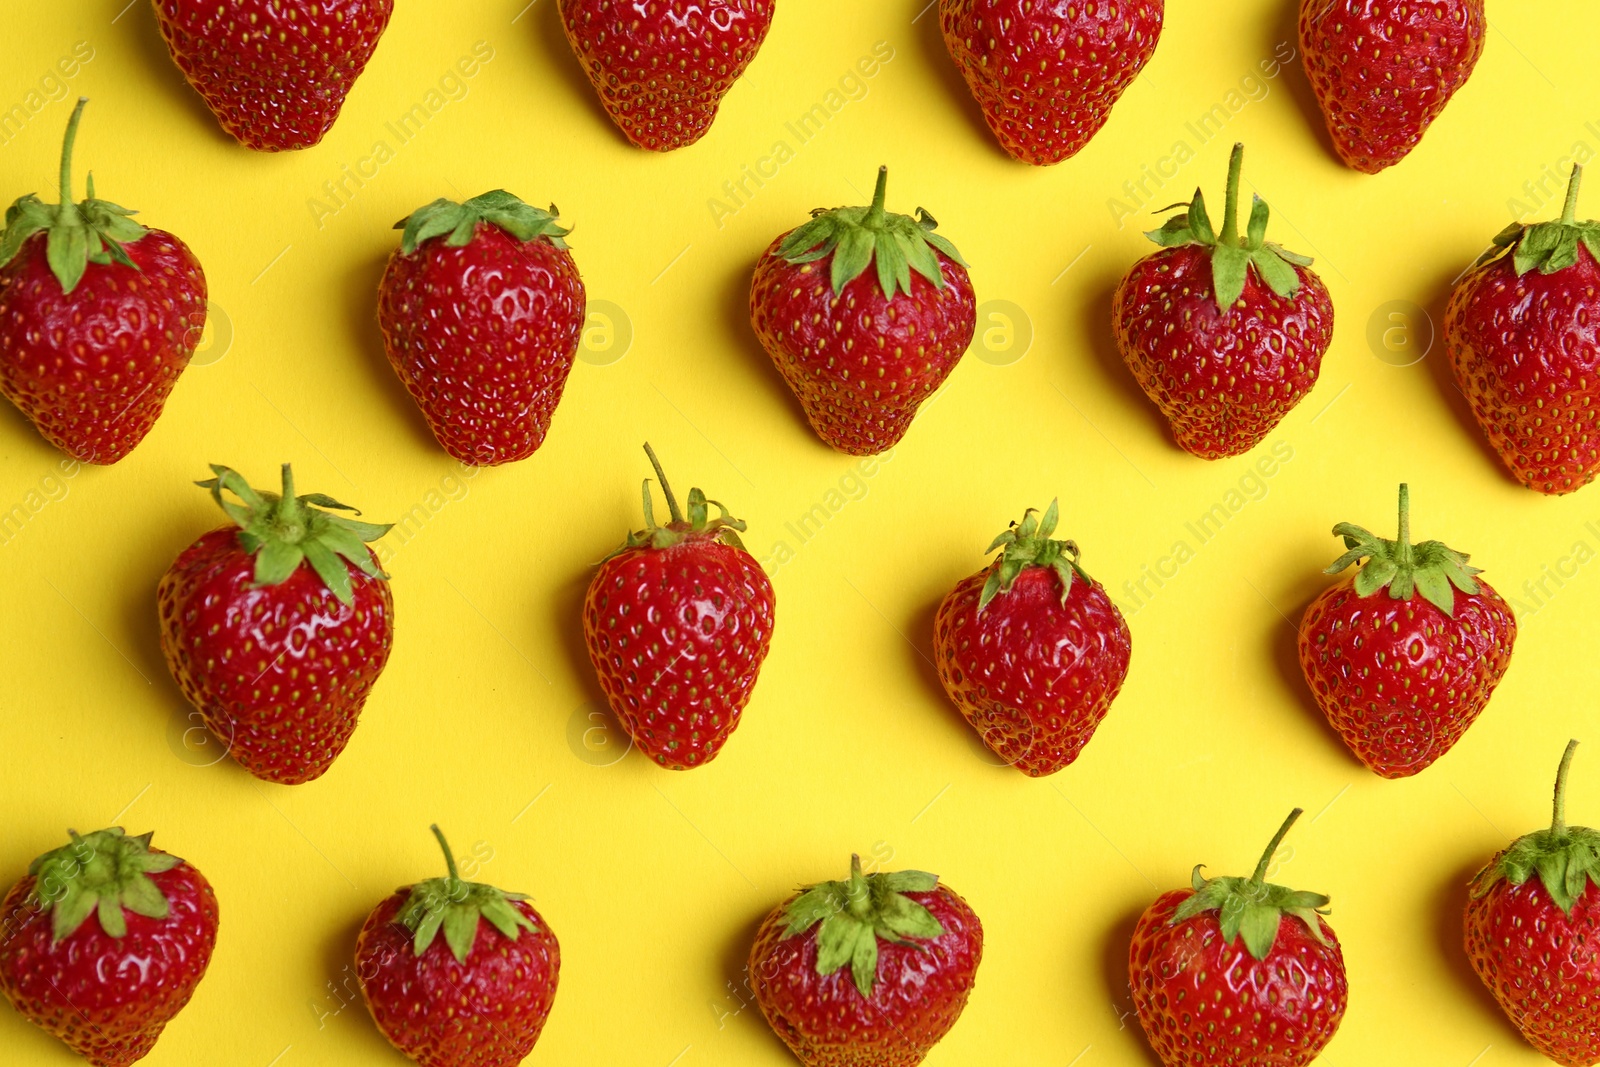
277, 628
1238, 972
662, 67
476, 997
1031, 649
1523, 333
862, 350
104, 942
98, 317
482, 310
1046, 75
1225, 334
1533, 934
1402, 676
1383, 70
868, 972
678, 621
275, 74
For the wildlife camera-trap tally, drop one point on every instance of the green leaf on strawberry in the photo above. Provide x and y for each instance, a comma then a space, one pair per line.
854, 914
1549, 247
1028, 544
1566, 858
455, 906
104, 873
1431, 568
496, 207
724, 527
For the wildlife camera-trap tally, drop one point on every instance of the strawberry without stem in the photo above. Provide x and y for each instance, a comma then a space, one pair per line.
1402, 676
479, 995
678, 622
1046, 75
276, 630
98, 317
275, 74
1031, 650
482, 311
869, 972
104, 942
863, 351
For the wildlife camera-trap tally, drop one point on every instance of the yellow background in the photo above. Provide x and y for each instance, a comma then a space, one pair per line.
654, 881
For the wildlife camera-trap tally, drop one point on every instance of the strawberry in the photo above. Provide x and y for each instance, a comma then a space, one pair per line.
275, 74
863, 351
1225, 336
1401, 677
912, 947
1533, 933
1046, 76
1520, 332
1207, 1000
482, 310
662, 67
1031, 650
98, 317
1383, 70
278, 657
104, 942
678, 621
476, 997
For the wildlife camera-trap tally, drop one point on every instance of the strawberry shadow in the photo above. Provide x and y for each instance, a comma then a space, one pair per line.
921, 636
1118, 986
1450, 907
344, 999
361, 309
738, 997
566, 603
930, 37
736, 321
1293, 77
550, 36
1284, 639
1096, 311
143, 33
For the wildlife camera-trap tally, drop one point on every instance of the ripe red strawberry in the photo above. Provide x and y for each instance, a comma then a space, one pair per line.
104, 942
1383, 70
476, 997
678, 621
1401, 677
1535, 941
863, 351
1046, 76
98, 317
482, 310
278, 657
662, 67
1520, 331
912, 947
274, 74
1226, 336
1238, 972
1031, 649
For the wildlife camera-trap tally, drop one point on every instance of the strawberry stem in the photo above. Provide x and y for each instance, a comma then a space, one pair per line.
1272, 850
1558, 822
873, 219
449, 857
291, 522
68, 208
1230, 216
858, 895
1404, 541
666, 490
1569, 212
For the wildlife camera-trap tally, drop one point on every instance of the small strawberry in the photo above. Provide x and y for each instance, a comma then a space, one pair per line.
662, 67
278, 657
1207, 1000
912, 948
1383, 70
1533, 934
678, 621
476, 997
275, 74
482, 310
1402, 676
1046, 76
98, 317
1031, 649
1226, 336
863, 351
1521, 333
104, 942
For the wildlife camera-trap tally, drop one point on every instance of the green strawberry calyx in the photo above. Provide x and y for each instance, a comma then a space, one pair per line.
856, 913
496, 207
1403, 568
1252, 907
698, 523
454, 905
1549, 247
858, 237
93, 231
1028, 544
105, 873
282, 530
1566, 858
1233, 256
